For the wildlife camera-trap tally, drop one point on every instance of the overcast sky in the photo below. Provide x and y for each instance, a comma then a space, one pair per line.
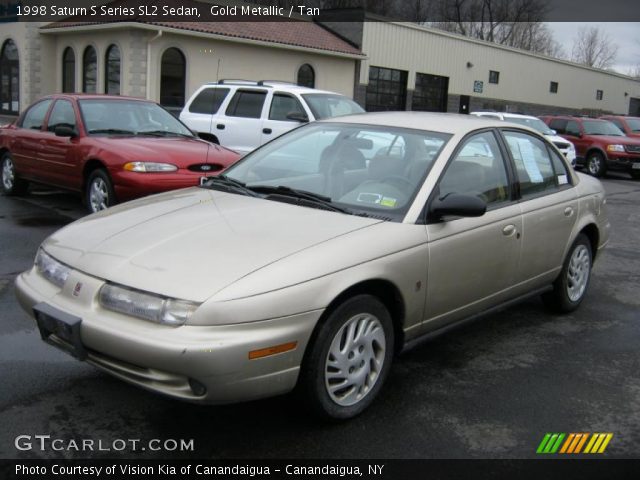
625, 35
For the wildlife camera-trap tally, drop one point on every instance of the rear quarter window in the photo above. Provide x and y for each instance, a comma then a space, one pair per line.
208, 101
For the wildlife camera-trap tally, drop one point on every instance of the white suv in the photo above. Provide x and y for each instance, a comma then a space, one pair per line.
242, 115
565, 146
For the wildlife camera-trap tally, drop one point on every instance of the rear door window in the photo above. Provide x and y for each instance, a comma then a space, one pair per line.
34, 118
247, 104
573, 128
534, 166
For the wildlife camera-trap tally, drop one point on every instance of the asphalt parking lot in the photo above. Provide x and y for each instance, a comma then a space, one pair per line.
491, 389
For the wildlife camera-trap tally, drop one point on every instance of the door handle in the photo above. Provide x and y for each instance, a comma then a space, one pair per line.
568, 211
266, 130
220, 126
509, 230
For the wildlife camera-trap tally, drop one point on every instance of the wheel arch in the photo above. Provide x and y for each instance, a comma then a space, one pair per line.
90, 166
385, 291
595, 149
593, 234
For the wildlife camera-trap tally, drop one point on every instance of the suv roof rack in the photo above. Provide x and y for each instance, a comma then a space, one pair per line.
264, 82
237, 81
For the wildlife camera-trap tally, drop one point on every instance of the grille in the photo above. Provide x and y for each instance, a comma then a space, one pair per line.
561, 145
632, 148
206, 167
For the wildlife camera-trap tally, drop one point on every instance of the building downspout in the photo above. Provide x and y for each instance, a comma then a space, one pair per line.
151, 40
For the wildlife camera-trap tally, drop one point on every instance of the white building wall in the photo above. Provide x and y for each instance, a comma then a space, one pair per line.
524, 77
210, 59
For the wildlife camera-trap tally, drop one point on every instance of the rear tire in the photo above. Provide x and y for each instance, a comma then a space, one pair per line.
10, 182
99, 193
570, 287
347, 364
596, 164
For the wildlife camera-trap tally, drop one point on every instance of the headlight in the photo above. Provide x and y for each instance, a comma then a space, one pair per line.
51, 269
149, 167
148, 306
615, 148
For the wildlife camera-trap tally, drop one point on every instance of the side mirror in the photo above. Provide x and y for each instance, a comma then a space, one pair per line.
65, 131
553, 132
298, 117
458, 205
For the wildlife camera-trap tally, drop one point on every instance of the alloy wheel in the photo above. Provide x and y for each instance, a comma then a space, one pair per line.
98, 195
8, 175
578, 273
355, 359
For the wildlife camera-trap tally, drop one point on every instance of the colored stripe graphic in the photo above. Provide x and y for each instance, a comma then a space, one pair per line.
553, 443
550, 443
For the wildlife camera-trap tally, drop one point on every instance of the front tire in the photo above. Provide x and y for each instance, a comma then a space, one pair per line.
99, 193
349, 360
571, 285
11, 183
635, 175
596, 164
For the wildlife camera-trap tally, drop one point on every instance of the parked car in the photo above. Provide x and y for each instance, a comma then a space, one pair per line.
629, 125
109, 148
600, 145
242, 115
566, 147
354, 263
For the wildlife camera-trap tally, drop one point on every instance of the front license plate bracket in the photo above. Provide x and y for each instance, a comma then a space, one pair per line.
60, 329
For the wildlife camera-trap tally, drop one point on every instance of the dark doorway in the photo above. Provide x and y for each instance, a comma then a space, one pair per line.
430, 94
634, 107
464, 104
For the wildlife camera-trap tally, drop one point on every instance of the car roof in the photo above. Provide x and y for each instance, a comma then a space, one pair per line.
96, 96
437, 122
504, 114
275, 84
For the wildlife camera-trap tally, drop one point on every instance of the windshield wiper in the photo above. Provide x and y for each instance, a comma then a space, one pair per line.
163, 133
313, 198
114, 131
227, 184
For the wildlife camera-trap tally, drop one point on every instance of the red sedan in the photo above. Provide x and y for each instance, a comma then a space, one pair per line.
111, 149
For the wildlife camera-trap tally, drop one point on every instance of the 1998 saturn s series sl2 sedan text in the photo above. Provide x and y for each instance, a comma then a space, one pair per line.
319, 256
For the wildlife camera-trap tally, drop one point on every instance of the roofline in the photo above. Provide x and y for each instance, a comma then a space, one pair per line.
486, 43
50, 29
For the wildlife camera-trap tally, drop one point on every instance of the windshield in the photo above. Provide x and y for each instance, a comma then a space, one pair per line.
634, 124
366, 169
110, 116
601, 127
534, 123
324, 105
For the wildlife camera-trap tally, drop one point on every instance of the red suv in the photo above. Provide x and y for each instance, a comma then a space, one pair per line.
600, 145
629, 125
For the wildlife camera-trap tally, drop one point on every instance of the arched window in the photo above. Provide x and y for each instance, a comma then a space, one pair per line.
172, 79
9, 78
68, 71
112, 71
89, 70
306, 76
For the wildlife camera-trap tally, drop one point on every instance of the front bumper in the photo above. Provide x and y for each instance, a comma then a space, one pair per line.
168, 360
131, 185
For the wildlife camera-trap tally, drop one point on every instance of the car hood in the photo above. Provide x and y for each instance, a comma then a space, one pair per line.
179, 151
194, 242
557, 138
